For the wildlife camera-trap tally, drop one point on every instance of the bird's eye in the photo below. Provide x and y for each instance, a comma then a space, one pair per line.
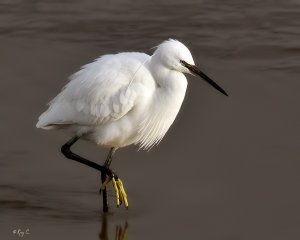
183, 62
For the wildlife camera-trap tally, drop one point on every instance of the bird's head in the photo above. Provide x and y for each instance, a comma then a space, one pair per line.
176, 56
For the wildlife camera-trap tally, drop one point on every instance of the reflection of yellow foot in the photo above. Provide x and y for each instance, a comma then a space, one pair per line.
120, 234
119, 190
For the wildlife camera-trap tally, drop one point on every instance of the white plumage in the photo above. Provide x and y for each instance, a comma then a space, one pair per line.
122, 99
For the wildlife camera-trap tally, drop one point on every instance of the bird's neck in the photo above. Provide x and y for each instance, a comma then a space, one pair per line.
168, 79
163, 109
170, 88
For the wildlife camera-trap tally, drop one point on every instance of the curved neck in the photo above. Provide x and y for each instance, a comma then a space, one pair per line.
167, 78
170, 89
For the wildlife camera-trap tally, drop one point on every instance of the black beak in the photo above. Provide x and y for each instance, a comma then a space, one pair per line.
198, 72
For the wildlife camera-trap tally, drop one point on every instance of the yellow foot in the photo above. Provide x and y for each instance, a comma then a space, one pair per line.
121, 195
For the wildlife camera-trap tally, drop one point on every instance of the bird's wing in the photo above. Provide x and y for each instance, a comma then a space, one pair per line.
101, 91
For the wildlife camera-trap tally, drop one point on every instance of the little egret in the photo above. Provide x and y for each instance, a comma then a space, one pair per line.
122, 99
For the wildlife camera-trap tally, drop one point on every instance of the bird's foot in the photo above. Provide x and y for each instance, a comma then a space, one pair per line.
121, 195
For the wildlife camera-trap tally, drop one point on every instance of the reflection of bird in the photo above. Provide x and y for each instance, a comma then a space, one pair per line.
121, 233
103, 234
123, 99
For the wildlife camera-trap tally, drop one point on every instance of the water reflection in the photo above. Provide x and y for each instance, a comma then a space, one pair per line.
120, 233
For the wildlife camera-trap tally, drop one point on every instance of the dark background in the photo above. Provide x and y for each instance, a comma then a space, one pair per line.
227, 169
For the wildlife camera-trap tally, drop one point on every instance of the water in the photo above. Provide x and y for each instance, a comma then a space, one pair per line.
228, 168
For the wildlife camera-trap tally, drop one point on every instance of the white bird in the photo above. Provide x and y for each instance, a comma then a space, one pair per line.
123, 99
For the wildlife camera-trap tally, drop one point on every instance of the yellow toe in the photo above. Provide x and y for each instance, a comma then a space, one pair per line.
122, 192
116, 191
107, 180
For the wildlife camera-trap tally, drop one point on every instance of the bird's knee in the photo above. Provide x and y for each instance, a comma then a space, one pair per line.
65, 149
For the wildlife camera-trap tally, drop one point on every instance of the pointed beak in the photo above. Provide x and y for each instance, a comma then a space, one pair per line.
197, 71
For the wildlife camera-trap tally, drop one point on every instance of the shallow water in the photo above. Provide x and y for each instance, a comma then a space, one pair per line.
228, 168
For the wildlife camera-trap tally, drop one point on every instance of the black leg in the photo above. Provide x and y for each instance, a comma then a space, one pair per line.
104, 194
65, 149
109, 157
103, 177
